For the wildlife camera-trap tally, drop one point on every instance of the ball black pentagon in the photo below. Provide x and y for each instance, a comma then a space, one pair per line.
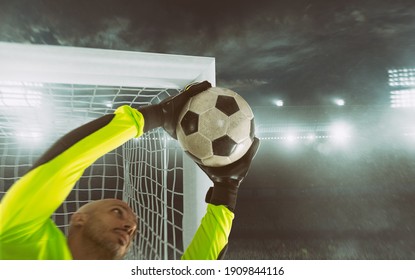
227, 104
190, 122
223, 146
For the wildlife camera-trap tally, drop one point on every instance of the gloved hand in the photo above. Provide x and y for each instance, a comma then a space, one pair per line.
166, 113
227, 179
172, 106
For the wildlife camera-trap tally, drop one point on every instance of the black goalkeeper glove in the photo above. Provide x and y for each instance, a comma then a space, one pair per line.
227, 179
173, 106
166, 113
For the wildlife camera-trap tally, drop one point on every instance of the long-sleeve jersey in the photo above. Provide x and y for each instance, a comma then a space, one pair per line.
26, 228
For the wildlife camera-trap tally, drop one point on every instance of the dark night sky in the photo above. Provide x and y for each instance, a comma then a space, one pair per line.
314, 202
301, 51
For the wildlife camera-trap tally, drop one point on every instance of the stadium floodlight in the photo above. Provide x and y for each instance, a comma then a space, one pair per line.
339, 102
403, 77
404, 98
279, 102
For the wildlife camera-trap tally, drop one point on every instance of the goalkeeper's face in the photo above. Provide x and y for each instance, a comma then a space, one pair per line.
111, 225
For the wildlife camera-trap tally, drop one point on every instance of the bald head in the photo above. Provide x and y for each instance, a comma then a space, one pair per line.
107, 223
95, 205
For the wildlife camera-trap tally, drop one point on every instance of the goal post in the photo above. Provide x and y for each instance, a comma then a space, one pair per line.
70, 65
64, 87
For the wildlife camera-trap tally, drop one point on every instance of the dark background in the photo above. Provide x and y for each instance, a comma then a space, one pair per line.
307, 201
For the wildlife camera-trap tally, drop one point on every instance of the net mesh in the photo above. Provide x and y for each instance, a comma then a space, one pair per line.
146, 172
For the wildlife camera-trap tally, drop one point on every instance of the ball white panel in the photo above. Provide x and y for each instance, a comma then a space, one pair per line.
199, 146
213, 124
244, 107
203, 102
239, 127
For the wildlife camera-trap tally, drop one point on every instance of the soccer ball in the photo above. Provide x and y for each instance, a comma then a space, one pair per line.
216, 127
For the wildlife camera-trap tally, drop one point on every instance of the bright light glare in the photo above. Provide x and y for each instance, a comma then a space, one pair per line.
20, 84
19, 97
29, 137
311, 137
340, 132
401, 77
403, 98
108, 104
291, 138
279, 103
339, 102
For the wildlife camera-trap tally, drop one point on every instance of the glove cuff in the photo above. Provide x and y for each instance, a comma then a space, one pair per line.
153, 116
221, 194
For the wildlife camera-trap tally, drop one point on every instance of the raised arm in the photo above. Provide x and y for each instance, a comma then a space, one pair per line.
211, 238
40, 192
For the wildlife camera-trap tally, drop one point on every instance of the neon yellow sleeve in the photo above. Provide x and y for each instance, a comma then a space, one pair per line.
212, 235
26, 208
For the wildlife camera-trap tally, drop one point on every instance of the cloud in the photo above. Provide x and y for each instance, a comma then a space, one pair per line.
274, 45
244, 83
112, 34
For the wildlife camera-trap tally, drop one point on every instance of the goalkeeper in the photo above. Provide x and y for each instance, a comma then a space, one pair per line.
104, 229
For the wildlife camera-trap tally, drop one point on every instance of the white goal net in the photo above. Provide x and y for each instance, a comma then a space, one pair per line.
47, 91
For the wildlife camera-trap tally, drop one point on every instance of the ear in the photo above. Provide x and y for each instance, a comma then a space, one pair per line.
78, 219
